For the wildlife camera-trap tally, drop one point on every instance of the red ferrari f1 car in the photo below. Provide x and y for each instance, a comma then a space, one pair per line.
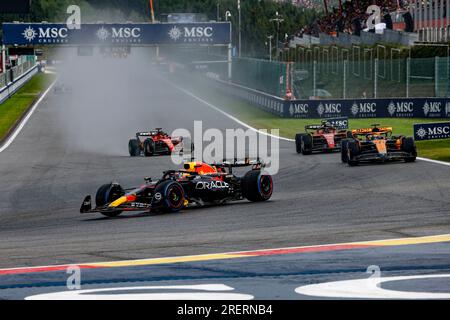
154, 142
320, 138
197, 184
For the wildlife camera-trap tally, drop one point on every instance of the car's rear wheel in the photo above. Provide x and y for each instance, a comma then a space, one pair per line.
257, 186
169, 196
133, 147
353, 152
107, 193
149, 147
409, 146
306, 144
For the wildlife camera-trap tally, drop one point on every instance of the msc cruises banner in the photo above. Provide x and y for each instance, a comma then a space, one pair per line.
431, 131
110, 34
370, 108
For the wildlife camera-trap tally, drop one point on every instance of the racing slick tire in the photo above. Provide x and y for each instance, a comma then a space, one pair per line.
168, 196
133, 147
108, 193
409, 146
257, 186
298, 142
306, 144
344, 150
353, 152
149, 147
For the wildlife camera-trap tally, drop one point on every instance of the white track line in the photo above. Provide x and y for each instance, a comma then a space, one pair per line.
268, 134
227, 114
24, 121
434, 161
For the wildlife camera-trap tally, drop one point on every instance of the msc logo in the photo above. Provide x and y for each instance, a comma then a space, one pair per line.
328, 108
443, 130
208, 185
421, 133
433, 107
45, 35
198, 32
432, 131
401, 107
122, 34
193, 34
364, 108
298, 108
339, 123
29, 34
126, 32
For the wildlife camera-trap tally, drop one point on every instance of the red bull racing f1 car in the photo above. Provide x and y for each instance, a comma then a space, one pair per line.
197, 184
320, 138
377, 144
155, 142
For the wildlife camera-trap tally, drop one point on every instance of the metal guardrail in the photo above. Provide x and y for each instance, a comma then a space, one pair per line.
366, 38
332, 108
15, 78
14, 73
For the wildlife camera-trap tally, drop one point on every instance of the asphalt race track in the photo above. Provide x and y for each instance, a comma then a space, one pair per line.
317, 200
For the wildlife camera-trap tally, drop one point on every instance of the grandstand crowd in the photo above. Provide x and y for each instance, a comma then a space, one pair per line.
350, 17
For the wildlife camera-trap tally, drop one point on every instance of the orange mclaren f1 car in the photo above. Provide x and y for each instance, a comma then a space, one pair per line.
377, 144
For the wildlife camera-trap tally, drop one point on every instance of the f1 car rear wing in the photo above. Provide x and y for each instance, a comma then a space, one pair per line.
150, 133
313, 127
145, 134
374, 130
255, 164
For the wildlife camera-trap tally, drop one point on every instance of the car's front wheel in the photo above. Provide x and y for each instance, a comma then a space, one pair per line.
298, 142
133, 147
107, 193
149, 147
306, 144
344, 150
353, 153
409, 146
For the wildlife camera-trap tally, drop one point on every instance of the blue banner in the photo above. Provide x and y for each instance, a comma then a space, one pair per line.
432, 131
117, 34
370, 108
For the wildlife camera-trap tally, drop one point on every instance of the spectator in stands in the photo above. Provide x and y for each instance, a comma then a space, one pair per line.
348, 18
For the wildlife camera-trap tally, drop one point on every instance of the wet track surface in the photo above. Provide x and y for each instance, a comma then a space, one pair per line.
317, 200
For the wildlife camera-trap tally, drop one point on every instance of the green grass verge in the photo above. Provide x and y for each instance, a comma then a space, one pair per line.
257, 118
13, 108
